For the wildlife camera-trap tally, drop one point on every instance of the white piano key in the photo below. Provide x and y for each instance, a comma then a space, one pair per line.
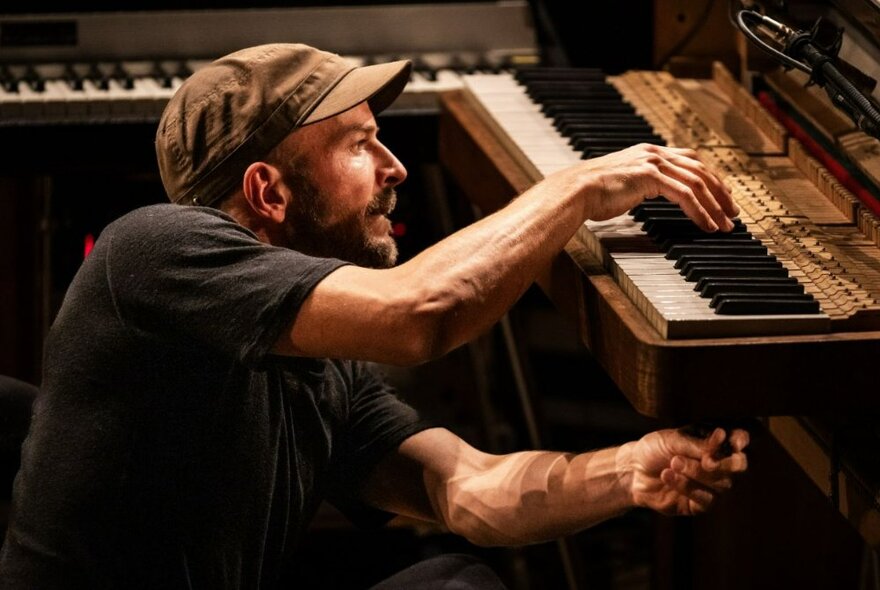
98, 101
419, 83
154, 96
32, 102
447, 80
10, 106
120, 101
56, 100
76, 102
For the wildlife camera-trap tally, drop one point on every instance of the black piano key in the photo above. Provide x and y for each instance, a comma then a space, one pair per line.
705, 283
766, 307
749, 248
487, 66
646, 212
602, 150
552, 109
8, 83
674, 223
735, 236
524, 74
609, 140
458, 64
586, 129
745, 286
73, 79
572, 87
689, 267
604, 93
33, 79
688, 260
183, 71
125, 79
425, 70
622, 132
721, 297
669, 228
573, 95
599, 125
633, 135
721, 272
561, 122
98, 77
658, 202
565, 85
159, 74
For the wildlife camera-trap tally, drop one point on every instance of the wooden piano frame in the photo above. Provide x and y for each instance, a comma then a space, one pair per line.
674, 380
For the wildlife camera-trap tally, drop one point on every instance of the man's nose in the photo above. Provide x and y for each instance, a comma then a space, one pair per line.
390, 170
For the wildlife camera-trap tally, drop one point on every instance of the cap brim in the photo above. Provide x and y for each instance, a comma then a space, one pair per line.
380, 84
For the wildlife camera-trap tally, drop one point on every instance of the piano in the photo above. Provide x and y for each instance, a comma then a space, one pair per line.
806, 180
121, 66
647, 325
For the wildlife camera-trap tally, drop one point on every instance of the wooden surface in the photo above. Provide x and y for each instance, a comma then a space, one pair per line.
677, 380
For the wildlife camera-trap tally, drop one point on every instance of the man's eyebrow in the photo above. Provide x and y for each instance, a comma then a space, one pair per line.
347, 130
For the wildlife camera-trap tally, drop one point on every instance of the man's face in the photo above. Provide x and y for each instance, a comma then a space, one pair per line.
342, 180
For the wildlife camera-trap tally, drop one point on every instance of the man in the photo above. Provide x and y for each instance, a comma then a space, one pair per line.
207, 380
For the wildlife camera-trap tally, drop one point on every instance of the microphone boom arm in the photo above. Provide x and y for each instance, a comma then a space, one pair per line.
802, 52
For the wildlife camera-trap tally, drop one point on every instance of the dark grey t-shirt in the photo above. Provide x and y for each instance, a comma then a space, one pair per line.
169, 448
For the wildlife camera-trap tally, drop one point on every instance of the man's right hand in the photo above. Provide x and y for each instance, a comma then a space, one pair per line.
616, 182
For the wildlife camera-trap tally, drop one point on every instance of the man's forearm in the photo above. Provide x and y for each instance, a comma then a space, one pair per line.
537, 496
488, 265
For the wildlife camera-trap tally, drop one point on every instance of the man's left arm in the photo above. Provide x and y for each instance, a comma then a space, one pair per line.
536, 496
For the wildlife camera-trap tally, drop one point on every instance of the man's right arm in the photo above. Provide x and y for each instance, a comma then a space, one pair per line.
458, 288
536, 496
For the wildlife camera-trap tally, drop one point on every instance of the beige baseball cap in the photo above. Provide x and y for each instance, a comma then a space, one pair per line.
233, 111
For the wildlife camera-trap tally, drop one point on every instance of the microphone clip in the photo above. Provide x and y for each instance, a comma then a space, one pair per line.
824, 37
816, 53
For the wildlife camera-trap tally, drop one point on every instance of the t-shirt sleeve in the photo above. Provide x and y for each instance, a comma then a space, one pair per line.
378, 422
194, 275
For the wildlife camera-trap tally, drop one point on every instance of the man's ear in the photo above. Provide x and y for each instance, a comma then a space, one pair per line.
265, 191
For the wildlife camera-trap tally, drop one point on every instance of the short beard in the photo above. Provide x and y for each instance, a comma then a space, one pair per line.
307, 229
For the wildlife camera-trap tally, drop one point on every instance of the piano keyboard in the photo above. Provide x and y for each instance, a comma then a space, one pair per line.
137, 91
777, 273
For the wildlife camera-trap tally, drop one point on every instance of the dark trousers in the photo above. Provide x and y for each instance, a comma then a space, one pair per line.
445, 572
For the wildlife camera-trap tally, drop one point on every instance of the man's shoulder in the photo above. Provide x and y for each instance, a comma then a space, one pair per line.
165, 222
163, 215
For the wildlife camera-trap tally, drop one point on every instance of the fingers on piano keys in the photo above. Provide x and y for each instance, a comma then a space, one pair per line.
732, 269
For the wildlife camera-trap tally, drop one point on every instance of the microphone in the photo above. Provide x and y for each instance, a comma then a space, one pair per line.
815, 52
